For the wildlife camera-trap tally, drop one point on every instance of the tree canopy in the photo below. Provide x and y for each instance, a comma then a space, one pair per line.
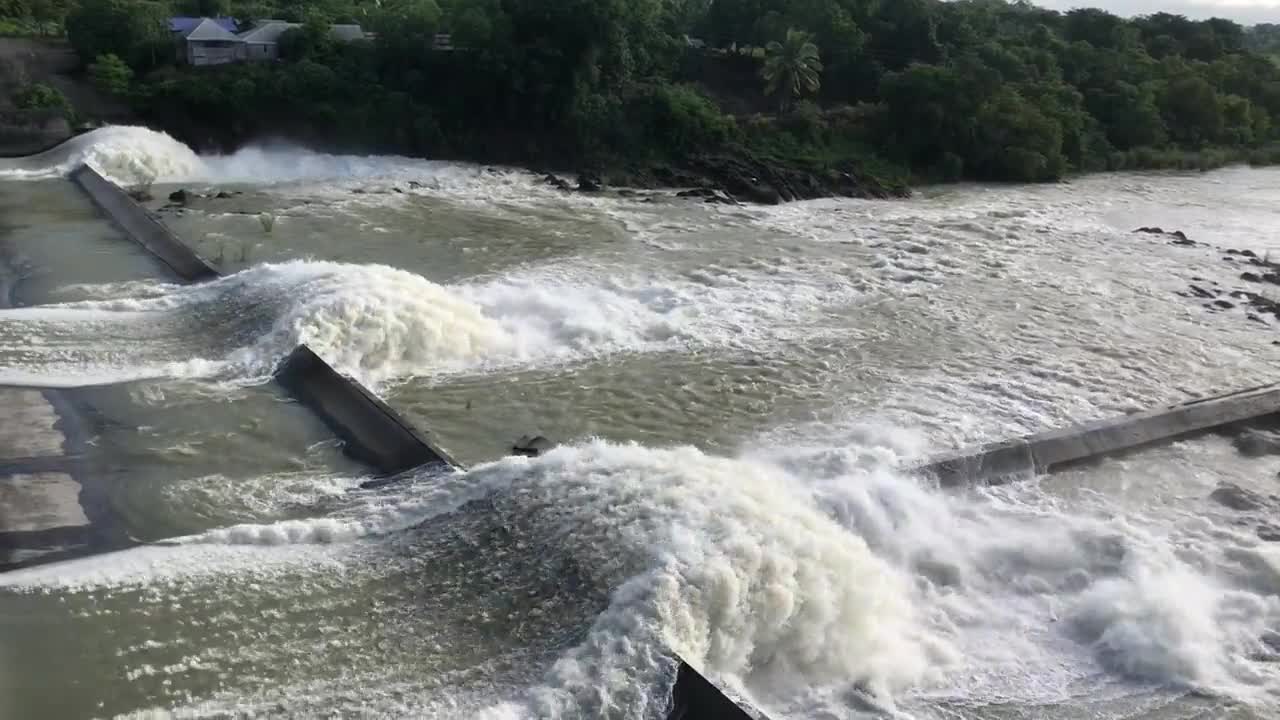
984, 89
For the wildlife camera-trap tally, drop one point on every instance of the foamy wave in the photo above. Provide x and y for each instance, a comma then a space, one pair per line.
130, 155
379, 323
124, 154
797, 588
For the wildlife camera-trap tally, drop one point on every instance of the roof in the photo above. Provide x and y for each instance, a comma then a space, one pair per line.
346, 33
209, 30
185, 25
267, 31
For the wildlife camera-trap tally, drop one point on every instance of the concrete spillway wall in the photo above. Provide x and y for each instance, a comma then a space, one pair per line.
1046, 452
141, 227
372, 432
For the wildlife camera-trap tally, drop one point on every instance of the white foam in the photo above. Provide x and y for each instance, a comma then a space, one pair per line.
124, 154
800, 587
131, 155
379, 323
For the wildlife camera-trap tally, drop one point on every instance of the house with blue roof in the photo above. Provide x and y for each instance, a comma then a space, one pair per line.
214, 41
183, 25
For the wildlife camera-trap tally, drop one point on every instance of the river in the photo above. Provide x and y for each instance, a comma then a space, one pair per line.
740, 391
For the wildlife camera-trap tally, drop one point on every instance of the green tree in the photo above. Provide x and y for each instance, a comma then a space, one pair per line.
110, 74
792, 68
1191, 110
133, 30
39, 96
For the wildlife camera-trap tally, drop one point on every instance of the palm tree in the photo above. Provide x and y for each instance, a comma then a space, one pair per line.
792, 68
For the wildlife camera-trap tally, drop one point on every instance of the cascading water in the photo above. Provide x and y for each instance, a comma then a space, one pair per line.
788, 555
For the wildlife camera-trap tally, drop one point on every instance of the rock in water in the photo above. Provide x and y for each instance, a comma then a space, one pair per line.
588, 182
1258, 443
532, 446
223, 195
557, 183
1237, 498
179, 196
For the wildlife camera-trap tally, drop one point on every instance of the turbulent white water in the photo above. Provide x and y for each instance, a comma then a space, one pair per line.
803, 570
800, 591
379, 323
130, 155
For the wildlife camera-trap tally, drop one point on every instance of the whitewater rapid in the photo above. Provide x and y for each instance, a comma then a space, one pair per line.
809, 351
799, 583
379, 323
131, 155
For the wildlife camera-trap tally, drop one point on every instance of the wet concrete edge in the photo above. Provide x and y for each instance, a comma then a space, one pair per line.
1068, 447
141, 227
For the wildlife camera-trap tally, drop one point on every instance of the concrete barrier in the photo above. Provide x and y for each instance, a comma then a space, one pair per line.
1046, 452
140, 226
694, 698
373, 432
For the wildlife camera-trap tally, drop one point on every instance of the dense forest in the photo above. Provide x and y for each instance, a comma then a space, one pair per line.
981, 89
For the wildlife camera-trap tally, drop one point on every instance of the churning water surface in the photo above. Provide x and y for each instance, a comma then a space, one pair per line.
739, 390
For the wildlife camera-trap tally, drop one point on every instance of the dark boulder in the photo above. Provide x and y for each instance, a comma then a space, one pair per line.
1151, 230
223, 195
532, 446
557, 183
1250, 277
1237, 498
1257, 443
1224, 304
179, 196
697, 193
589, 182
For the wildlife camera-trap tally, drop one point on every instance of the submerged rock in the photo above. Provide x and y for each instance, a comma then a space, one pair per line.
1180, 238
532, 446
557, 183
1257, 443
1235, 497
589, 182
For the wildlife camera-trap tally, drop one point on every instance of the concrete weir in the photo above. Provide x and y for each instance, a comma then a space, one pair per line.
373, 433
1046, 452
139, 225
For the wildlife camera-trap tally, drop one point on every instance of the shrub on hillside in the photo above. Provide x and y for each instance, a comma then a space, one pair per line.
110, 74
39, 96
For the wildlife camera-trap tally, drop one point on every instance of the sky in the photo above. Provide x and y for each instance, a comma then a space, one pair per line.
1247, 12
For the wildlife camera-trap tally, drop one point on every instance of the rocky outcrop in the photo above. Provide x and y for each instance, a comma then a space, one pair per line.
589, 182
557, 182
1179, 237
1237, 498
1255, 442
748, 178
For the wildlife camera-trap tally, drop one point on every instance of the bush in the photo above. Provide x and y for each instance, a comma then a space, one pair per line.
39, 96
680, 118
805, 122
110, 74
